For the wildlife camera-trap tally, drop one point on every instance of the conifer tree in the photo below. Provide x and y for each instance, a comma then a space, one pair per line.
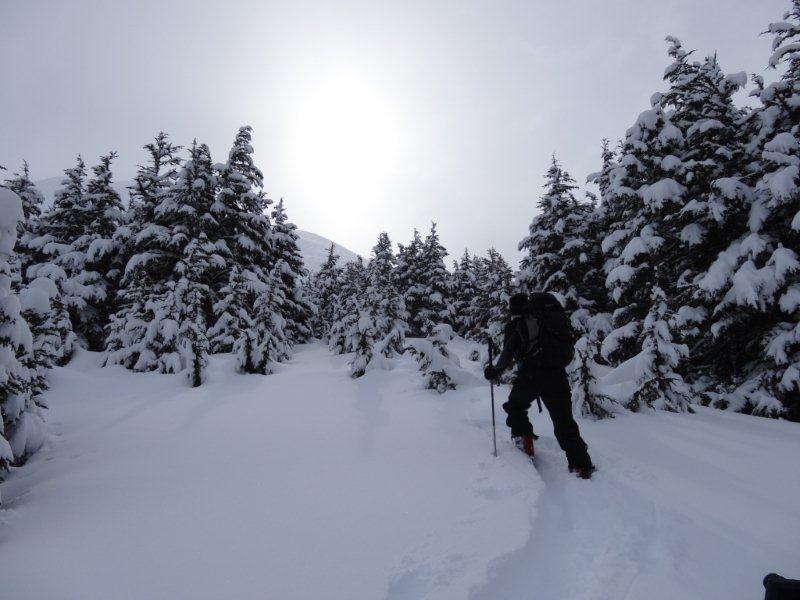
50, 255
296, 309
588, 399
348, 308
240, 209
20, 423
408, 276
423, 280
142, 274
272, 344
642, 192
550, 234
489, 307
435, 360
379, 332
324, 287
658, 384
183, 258
754, 284
464, 289
32, 201
73, 244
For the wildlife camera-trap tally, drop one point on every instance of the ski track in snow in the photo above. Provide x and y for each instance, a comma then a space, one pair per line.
683, 506
308, 484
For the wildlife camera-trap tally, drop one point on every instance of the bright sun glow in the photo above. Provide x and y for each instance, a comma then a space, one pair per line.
346, 143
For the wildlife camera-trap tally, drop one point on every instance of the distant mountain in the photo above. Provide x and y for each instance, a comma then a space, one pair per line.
315, 250
313, 247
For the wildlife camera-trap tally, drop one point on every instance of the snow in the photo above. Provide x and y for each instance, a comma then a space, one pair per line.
10, 215
310, 484
783, 182
314, 249
665, 190
739, 79
783, 143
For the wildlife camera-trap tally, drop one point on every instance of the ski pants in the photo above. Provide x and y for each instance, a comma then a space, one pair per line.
552, 386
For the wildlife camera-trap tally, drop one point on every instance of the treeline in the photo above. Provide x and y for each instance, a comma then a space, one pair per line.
370, 309
200, 261
682, 276
685, 270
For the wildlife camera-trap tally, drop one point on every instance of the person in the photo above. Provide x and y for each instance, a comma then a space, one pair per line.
531, 341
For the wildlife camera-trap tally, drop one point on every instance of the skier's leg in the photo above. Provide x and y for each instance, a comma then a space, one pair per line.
519, 401
556, 397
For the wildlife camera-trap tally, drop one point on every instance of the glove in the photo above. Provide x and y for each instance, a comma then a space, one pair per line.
491, 373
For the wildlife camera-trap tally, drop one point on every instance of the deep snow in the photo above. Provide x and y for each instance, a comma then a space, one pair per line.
308, 484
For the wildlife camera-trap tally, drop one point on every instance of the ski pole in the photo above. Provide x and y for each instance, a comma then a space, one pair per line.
491, 388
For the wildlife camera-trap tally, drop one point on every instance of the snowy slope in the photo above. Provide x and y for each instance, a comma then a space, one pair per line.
313, 247
308, 484
303, 484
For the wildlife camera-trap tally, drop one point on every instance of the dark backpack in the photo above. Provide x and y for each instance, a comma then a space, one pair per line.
546, 333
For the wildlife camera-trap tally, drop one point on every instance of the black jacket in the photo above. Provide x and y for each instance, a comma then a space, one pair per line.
512, 346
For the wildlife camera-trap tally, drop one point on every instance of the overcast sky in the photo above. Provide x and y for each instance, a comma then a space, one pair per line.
369, 115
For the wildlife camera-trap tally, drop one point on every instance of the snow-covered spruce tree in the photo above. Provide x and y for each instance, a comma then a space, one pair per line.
192, 300
183, 224
436, 362
755, 283
641, 192
463, 289
92, 262
658, 384
40, 299
21, 427
324, 294
555, 250
32, 201
489, 307
271, 342
296, 310
428, 292
714, 205
233, 313
245, 228
50, 255
408, 279
348, 307
128, 325
588, 399
381, 327
41, 311
383, 300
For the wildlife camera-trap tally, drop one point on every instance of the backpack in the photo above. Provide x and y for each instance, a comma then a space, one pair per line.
546, 333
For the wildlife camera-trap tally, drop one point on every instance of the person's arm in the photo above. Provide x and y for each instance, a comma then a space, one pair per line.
509, 351
506, 357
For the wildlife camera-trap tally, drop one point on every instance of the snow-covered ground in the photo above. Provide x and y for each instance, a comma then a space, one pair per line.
308, 484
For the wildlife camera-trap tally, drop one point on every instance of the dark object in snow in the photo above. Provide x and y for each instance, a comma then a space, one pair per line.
583, 472
780, 588
541, 379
